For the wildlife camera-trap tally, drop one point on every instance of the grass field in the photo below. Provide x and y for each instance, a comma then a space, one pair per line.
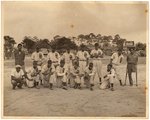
123, 102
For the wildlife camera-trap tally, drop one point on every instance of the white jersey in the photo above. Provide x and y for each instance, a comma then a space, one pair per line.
90, 72
116, 58
96, 53
16, 74
31, 72
61, 71
83, 55
46, 70
75, 72
111, 72
54, 57
37, 56
68, 57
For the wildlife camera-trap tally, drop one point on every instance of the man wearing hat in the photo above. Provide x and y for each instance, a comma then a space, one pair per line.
132, 60
96, 56
17, 77
116, 60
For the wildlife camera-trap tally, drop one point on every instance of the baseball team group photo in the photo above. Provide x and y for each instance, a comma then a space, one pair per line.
78, 70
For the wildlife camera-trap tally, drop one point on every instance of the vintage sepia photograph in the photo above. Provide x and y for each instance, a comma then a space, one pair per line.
64, 59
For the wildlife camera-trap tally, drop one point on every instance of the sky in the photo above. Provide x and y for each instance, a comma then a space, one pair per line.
47, 19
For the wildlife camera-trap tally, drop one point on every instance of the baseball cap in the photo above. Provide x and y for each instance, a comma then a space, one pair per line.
18, 66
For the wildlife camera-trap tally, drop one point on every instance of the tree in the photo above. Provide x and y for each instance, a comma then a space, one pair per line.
120, 43
116, 38
92, 35
9, 41
98, 36
35, 38
43, 43
8, 45
106, 39
85, 47
81, 36
29, 43
87, 37
140, 46
63, 43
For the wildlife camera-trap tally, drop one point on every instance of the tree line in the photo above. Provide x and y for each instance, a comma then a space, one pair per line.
59, 42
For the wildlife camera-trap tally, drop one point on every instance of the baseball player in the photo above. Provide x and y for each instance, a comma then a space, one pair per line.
68, 58
48, 71
83, 57
54, 57
116, 60
89, 75
17, 77
109, 78
34, 75
38, 57
75, 76
96, 56
61, 75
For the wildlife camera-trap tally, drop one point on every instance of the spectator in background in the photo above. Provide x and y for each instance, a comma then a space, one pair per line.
132, 60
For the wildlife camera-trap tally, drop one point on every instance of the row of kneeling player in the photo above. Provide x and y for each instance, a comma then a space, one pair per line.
48, 74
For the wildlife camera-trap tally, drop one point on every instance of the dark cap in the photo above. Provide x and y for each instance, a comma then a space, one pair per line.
19, 44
